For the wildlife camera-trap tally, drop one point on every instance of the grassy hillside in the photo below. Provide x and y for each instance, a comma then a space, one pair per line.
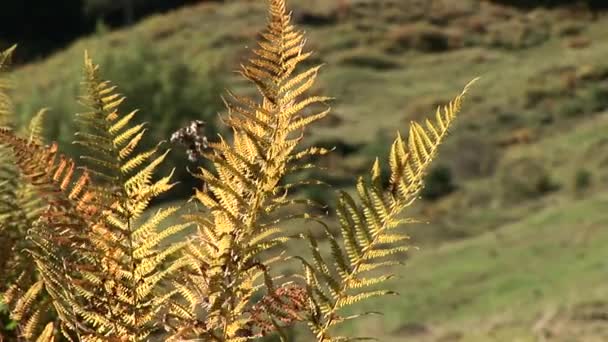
514, 247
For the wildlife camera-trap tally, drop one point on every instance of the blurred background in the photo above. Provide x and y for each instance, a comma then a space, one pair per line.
516, 203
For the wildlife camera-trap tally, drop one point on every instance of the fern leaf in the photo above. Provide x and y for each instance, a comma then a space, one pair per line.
367, 227
59, 236
241, 189
129, 252
35, 129
47, 334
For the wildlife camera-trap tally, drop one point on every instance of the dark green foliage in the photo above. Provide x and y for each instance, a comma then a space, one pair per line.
125, 12
525, 178
439, 183
28, 21
470, 155
7, 326
373, 61
424, 38
582, 180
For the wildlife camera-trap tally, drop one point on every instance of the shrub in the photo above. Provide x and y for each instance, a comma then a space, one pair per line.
374, 61
582, 180
593, 4
523, 179
517, 34
471, 156
439, 183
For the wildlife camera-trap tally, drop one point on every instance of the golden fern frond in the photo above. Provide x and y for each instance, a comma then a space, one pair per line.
59, 244
20, 206
8, 177
244, 189
47, 334
132, 266
5, 57
370, 241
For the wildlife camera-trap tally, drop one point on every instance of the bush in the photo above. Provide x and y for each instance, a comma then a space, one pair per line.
593, 4
517, 34
472, 156
582, 180
27, 22
126, 11
169, 93
523, 179
7, 326
439, 183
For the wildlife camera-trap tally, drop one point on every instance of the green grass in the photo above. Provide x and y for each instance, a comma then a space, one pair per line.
553, 258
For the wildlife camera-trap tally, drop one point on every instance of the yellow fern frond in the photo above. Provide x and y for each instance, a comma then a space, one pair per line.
243, 189
132, 268
407, 168
47, 334
58, 237
367, 228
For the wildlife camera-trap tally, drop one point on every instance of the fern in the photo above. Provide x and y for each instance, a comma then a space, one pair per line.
59, 241
81, 260
368, 228
131, 266
102, 268
245, 188
20, 207
9, 234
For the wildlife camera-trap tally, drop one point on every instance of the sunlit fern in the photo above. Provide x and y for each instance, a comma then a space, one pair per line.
110, 275
20, 207
368, 226
132, 263
102, 268
59, 240
245, 188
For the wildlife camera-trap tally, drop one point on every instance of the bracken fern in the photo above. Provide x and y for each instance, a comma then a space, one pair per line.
86, 263
368, 227
245, 190
20, 207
